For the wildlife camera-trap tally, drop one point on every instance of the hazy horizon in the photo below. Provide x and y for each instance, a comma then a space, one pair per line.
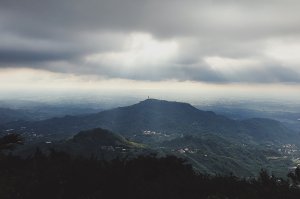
191, 51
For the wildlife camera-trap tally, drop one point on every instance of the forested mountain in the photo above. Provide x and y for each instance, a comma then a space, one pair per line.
212, 143
214, 154
100, 143
208, 153
160, 117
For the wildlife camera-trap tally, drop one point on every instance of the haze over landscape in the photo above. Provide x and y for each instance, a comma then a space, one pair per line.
149, 99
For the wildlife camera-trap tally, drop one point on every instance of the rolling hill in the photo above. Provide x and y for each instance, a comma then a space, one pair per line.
213, 154
95, 142
161, 117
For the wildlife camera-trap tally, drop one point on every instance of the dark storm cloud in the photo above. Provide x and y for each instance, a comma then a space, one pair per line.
58, 35
15, 56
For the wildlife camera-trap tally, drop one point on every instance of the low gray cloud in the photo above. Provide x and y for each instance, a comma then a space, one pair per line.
123, 38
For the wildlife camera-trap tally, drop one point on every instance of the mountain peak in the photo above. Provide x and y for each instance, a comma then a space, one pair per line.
99, 135
152, 101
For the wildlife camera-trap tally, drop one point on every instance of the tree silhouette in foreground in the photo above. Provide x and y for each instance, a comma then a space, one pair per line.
61, 176
9, 141
295, 176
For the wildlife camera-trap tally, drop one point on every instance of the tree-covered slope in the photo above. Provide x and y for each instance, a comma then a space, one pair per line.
163, 117
214, 154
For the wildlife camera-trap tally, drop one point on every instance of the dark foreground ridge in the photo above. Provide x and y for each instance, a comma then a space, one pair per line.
61, 176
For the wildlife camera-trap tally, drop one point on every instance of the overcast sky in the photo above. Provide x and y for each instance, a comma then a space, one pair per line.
138, 43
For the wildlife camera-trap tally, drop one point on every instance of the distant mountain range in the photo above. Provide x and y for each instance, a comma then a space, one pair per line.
42, 112
162, 118
212, 143
10, 115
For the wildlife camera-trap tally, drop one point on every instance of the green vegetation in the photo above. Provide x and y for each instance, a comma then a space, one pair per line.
208, 153
216, 155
